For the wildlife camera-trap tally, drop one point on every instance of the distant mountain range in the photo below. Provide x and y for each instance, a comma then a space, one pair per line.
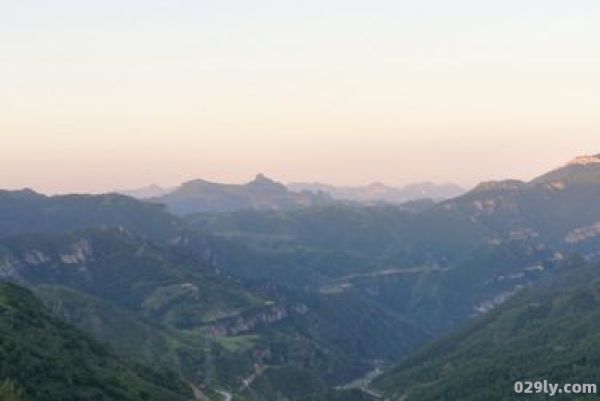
286, 295
263, 193
149, 191
377, 192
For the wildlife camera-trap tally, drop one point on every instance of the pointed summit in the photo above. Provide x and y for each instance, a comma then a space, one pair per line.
199, 196
263, 179
264, 184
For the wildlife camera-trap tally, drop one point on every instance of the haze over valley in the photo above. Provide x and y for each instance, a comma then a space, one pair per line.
276, 200
259, 292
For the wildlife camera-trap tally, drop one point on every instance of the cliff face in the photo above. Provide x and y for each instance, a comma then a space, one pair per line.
8, 269
78, 252
248, 322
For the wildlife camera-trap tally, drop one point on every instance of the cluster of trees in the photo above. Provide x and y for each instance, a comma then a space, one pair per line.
9, 391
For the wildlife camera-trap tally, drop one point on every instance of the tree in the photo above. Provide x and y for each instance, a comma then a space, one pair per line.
9, 391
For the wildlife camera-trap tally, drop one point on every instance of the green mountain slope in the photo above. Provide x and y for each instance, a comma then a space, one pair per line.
124, 289
333, 241
49, 360
116, 265
560, 209
435, 267
160, 305
29, 212
327, 289
547, 333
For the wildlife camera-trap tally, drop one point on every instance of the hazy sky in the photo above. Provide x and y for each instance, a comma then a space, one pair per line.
97, 95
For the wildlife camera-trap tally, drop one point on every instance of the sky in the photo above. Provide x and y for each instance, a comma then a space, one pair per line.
104, 95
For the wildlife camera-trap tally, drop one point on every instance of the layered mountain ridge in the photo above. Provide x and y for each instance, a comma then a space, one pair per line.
247, 299
262, 193
381, 193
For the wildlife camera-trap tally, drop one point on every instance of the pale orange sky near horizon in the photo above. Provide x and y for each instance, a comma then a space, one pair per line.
120, 94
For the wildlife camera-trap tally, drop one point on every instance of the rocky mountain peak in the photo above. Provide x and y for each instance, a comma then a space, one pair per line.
581, 170
265, 183
585, 160
263, 179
